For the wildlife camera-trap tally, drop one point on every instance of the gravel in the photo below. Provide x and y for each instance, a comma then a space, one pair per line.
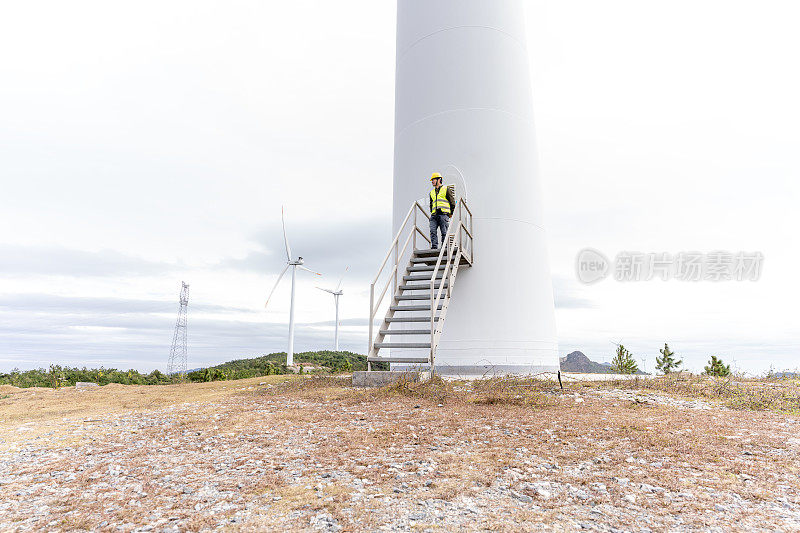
345, 460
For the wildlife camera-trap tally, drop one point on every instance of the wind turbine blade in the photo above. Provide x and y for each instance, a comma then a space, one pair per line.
342, 278
285, 240
326, 290
308, 270
276, 284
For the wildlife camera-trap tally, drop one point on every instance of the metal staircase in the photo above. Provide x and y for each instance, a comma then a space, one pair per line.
421, 292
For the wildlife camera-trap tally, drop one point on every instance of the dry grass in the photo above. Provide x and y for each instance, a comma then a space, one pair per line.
306, 384
446, 441
435, 390
37, 403
41, 409
501, 391
734, 392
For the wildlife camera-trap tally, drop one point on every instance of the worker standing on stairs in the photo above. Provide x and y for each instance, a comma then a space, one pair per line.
442, 205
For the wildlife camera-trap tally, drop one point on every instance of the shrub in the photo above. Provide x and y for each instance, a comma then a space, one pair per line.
265, 365
623, 362
56, 377
667, 363
716, 367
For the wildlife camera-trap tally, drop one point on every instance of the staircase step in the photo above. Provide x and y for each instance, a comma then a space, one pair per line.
405, 332
429, 260
412, 319
427, 252
425, 263
413, 307
421, 286
420, 277
403, 345
432, 253
425, 268
404, 297
376, 359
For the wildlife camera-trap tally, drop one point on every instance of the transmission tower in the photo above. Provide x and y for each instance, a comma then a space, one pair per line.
177, 355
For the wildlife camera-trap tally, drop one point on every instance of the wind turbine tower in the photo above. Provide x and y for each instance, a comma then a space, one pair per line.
463, 99
336, 294
295, 264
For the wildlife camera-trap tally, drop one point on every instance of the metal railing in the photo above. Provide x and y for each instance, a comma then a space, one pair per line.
399, 253
458, 244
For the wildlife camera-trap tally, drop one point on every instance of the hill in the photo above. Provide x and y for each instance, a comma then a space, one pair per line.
578, 362
275, 363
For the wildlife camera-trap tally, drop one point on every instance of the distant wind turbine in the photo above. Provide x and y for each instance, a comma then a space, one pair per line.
295, 264
336, 293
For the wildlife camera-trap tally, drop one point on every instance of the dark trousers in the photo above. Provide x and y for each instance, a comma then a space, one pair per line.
438, 222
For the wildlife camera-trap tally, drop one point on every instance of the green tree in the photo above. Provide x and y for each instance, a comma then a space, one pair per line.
274, 363
717, 368
155, 377
667, 363
623, 362
56, 377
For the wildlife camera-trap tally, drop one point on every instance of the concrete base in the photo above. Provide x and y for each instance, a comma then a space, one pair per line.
379, 378
486, 371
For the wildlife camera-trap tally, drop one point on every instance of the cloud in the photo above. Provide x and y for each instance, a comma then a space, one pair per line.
567, 294
56, 260
39, 329
360, 244
50, 303
326, 247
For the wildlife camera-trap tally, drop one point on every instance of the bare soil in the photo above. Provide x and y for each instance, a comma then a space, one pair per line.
294, 453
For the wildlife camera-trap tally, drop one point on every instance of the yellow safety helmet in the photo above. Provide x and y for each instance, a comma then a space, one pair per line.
435, 175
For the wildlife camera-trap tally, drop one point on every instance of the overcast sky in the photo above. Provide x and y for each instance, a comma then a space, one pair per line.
145, 143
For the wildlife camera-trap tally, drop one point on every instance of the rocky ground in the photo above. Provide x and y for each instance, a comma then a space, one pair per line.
322, 456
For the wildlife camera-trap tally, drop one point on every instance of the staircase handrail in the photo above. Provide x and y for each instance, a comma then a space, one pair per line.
453, 239
398, 254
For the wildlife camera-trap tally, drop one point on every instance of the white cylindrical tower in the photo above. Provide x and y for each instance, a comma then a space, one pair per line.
463, 98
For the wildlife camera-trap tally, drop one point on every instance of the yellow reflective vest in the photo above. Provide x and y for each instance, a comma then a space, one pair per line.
440, 201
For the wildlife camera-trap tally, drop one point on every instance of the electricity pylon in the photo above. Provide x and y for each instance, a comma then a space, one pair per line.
178, 353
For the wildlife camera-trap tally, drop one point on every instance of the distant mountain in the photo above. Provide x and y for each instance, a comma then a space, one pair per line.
578, 362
